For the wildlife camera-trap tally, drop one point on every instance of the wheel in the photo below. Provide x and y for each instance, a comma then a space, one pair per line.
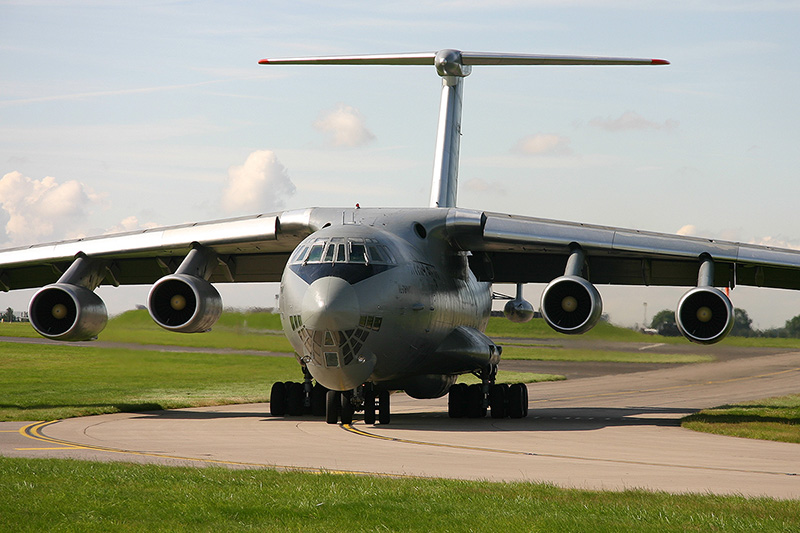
318, 394
457, 401
369, 407
277, 399
333, 403
517, 400
475, 405
295, 398
498, 400
383, 407
348, 409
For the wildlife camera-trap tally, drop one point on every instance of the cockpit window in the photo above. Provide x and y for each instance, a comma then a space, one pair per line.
315, 254
358, 253
330, 252
344, 250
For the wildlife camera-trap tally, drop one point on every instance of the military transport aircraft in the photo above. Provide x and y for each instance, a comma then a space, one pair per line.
379, 300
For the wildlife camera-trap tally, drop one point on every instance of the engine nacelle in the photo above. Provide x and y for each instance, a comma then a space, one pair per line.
571, 305
184, 303
518, 310
705, 315
66, 312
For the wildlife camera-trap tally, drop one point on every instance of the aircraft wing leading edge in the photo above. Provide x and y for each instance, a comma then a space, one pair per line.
517, 249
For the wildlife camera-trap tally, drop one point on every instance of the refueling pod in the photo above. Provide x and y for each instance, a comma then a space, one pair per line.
519, 309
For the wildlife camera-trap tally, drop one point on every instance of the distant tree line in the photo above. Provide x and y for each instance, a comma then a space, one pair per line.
664, 323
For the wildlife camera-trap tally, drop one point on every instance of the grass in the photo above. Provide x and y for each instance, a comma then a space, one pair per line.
512, 352
775, 419
44, 382
48, 495
505, 376
239, 331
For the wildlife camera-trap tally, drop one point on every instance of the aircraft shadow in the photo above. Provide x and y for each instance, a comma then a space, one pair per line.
555, 419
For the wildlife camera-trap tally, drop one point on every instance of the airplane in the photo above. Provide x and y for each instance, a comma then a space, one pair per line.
376, 300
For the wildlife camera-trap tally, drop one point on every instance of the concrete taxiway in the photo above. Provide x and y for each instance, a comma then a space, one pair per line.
608, 432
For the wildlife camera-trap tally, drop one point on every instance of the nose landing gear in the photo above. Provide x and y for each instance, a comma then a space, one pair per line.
343, 405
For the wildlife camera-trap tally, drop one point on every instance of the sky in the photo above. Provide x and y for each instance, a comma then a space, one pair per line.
117, 115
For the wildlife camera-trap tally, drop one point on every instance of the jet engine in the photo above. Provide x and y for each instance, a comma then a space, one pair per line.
570, 304
184, 303
705, 315
67, 312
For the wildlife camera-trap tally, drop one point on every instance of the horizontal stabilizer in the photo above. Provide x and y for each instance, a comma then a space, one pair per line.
466, 58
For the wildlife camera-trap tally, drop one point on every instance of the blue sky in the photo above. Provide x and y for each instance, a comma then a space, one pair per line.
117, 115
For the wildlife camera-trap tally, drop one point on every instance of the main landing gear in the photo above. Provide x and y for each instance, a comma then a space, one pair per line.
297, 399
503, 400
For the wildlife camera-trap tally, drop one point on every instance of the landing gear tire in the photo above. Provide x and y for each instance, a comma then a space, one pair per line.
369, 407
295, 398
277, 399
333, 403
457, 401
383, 407
476, 408
498, 400
348, 409
518, 400
318, 394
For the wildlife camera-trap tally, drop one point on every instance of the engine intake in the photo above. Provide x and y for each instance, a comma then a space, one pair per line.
67, 312
571, 305
705, 315
184, 303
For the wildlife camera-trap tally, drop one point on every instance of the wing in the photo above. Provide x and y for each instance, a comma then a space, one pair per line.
247, 249
572, 257
182, 261
515, 249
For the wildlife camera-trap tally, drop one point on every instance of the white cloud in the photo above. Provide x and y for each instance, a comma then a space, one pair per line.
43, 209
131, 223
631, 120
261, 184
478, 185
688, 229
345, 127
543, 144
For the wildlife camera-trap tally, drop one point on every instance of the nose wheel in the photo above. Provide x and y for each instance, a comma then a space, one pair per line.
341, 406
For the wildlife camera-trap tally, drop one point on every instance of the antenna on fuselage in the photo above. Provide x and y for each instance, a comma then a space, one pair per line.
453, 66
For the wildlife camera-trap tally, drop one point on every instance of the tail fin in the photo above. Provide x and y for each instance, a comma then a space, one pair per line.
453, 66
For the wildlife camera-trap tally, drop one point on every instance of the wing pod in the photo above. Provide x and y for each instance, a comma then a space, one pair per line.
705, 314
185, 301
570, 304
69, 310
519, 309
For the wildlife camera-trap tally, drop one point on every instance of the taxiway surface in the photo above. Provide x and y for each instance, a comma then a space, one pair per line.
607, 432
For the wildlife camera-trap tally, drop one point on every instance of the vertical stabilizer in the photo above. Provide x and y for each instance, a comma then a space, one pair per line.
453, 66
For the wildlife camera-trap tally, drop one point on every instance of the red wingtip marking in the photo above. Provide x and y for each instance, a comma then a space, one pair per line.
659, 62
263, 62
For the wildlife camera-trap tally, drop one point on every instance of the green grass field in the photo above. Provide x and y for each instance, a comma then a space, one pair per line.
45, 382
42, 382
62, 495
770, 419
